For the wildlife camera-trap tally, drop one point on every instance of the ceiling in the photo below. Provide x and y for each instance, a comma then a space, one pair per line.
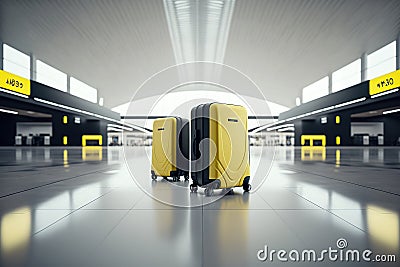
282, 45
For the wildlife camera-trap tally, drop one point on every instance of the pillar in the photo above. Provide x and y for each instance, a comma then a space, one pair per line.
1, 55
330, 83
364, 66
68, 83
33, 67
398, 52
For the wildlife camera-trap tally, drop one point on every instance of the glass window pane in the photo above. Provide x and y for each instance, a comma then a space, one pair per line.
346, 83
13, 55
347, 76
50, 76
82, 90
381, 61
316, 90
385, 67
382, 54
16, 69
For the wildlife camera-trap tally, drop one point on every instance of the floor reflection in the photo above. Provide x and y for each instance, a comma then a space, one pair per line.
313, 153
383, 226
94, 153
15, 236
337, 157
65, 158
227, 226
311, 198
363, 193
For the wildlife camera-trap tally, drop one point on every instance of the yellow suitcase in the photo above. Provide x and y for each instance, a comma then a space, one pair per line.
170, 148
220, 147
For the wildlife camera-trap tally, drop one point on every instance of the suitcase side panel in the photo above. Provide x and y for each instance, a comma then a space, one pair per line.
194, 153
205, 135
163, 157
228, 130
199, 132
182, 148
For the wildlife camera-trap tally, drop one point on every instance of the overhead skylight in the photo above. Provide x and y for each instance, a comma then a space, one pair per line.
199, 29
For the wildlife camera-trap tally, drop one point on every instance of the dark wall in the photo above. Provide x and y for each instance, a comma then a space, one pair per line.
75, 131
329, 129
298, 131
391, 130
306, 127
312, 125
8, 129
342, 129
72, 130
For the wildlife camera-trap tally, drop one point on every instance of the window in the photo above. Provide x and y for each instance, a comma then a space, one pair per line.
50, 76
101, 101
381, 61
16, 62
316, 90
82, 90
347, 76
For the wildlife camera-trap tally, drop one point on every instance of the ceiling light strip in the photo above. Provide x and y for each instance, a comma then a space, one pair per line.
13, 93
312, 113
86, 113
385, 93
260, 128
9, 111
120, 127
114, 129
350, 102
286, 129
280, 126
391, 111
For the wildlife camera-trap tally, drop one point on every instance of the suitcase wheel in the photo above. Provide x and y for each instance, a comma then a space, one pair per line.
153, 176
193, 188
175, 179
208, 191
247, 187
230, 192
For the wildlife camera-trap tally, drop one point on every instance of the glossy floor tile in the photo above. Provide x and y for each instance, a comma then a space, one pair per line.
71, 207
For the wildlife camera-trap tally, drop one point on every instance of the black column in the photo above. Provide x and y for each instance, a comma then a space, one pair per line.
8, 129
331, 129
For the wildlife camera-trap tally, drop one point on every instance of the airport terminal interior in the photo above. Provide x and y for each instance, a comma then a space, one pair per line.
89, 91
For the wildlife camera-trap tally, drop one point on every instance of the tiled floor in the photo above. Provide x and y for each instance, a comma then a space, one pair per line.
74, 207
